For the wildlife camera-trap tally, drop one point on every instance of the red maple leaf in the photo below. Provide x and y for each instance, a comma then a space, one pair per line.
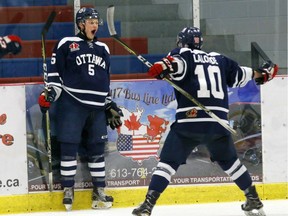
155, 128
133, 123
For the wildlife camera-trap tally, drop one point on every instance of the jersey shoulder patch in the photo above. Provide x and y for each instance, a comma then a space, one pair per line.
65, 39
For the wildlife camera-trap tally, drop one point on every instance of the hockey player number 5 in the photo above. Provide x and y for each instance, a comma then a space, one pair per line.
91, 70
215, 82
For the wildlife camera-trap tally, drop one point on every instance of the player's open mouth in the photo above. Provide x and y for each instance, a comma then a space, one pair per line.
93, 32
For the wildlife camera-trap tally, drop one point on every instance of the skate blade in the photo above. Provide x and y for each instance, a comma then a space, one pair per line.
255, 212
101, 205
68, 207
142, 214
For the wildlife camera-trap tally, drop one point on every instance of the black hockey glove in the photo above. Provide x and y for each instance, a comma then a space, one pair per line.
113, 115
268, 71
45, 101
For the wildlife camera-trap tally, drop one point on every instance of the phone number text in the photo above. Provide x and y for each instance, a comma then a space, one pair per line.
140, 172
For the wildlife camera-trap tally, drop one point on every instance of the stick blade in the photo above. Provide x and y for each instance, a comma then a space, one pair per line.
110, 20
48, 22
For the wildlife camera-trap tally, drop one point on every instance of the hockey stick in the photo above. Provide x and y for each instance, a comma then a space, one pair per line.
113, 34
256, 52
48, 137
76, 7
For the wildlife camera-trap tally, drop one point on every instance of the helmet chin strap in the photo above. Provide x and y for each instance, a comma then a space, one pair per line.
83, 32
85, 35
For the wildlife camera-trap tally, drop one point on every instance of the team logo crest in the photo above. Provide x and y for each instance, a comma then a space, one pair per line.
191, 113
139, 141
74, 47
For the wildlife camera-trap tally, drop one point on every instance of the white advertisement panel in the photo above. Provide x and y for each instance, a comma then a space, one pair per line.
13, 149
274, 128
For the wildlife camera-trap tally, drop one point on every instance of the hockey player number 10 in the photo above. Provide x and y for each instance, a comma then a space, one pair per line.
215, 82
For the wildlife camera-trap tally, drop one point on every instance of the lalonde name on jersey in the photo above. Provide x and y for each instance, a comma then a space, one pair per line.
205, 59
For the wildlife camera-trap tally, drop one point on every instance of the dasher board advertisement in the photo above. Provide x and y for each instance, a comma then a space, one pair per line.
133, 150
13, 150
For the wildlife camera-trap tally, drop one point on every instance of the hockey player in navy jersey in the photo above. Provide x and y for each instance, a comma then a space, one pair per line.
10, 44
206, 76
79, 84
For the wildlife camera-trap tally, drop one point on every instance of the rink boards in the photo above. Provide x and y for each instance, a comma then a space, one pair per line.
18, 194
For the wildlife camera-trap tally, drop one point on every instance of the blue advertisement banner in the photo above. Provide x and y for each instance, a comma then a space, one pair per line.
132, 151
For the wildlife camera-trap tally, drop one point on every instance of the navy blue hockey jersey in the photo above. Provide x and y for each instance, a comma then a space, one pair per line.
206, 76
82, 69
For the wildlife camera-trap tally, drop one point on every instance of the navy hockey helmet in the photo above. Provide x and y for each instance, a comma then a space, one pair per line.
190, 37
87, 13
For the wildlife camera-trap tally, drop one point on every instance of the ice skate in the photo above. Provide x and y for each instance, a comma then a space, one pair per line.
146, 207
68, 198
253, 205
100, 200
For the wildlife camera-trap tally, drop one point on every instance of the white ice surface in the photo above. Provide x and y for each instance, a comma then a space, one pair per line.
271, 208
